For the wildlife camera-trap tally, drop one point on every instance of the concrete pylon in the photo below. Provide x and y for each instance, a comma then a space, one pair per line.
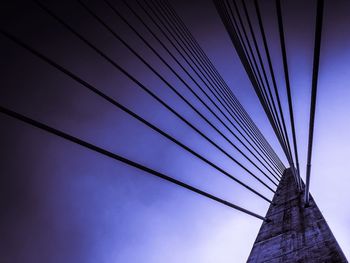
295, 233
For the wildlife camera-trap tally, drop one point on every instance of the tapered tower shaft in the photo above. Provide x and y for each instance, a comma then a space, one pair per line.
295, 233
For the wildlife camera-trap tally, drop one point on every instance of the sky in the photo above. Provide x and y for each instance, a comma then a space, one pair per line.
63, 203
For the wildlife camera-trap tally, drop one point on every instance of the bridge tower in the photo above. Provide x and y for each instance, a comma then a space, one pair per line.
295, 233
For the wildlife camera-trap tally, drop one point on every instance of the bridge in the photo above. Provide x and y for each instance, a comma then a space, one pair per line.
117, 120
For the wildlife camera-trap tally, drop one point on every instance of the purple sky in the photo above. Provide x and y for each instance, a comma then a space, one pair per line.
63, 203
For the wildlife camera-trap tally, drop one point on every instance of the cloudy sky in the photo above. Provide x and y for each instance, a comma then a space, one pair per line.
63, 203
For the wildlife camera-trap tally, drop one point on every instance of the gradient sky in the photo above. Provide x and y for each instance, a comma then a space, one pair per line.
63, 203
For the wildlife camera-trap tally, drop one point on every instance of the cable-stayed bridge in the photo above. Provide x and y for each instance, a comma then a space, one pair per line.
180, 90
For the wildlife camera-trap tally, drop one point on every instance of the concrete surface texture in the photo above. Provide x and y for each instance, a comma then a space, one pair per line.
295, 233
